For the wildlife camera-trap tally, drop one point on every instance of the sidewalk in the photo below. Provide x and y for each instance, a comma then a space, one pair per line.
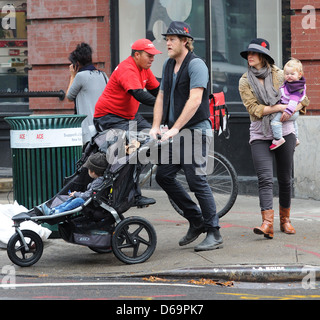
245, 256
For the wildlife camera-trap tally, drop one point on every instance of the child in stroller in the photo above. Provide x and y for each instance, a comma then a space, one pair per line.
96, 165
99, 222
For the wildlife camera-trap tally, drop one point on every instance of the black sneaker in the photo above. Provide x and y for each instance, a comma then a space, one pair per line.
142, 202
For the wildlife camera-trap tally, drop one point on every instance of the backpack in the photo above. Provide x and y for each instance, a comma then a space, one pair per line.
219, 114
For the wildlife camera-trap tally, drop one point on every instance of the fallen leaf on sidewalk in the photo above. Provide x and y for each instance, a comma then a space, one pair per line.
155, 279
212, 282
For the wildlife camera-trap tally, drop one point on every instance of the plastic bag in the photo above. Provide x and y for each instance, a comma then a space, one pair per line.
7, 211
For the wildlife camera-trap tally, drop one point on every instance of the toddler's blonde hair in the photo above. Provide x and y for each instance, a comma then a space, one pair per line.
296, 64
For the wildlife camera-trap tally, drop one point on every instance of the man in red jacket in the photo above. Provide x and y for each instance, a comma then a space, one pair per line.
130, 84
125, 89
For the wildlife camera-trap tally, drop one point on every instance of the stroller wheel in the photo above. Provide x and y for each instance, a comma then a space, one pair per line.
17, 252
134, 240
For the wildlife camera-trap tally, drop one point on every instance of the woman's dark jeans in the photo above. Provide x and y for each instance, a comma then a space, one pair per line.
263, 163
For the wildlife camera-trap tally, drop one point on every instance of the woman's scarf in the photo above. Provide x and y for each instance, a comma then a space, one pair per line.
266, 95
89, 67
296, 86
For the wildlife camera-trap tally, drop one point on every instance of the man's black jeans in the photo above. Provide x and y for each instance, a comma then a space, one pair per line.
193, 162
111, 121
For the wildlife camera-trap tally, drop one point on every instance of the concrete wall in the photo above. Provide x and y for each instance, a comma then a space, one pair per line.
307, 159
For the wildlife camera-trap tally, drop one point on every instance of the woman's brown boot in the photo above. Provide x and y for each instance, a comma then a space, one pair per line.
267, 224
285, 223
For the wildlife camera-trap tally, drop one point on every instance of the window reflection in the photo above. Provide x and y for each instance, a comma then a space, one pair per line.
160, 13
225, 76
14, 65
233, 26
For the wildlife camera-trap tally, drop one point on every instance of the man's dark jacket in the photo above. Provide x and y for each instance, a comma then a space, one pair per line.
182, 92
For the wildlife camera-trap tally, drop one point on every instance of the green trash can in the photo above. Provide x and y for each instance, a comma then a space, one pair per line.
44, 150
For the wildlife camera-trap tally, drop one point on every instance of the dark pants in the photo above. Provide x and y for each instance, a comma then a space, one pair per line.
263, 163
197, 182
111, 121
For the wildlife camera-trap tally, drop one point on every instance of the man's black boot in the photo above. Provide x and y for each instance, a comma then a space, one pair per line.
212, 241
195, 229
141, 202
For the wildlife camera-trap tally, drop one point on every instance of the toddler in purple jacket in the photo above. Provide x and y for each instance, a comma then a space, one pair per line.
292, 92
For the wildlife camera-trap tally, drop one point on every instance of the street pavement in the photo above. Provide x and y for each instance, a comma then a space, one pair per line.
244, 257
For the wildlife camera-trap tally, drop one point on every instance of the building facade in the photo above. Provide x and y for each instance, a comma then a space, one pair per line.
34, 50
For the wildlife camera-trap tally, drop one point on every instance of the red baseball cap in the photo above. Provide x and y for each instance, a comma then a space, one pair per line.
145, 45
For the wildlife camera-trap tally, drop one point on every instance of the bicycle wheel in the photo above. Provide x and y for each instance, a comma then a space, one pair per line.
223, 181
19, 255
134, 240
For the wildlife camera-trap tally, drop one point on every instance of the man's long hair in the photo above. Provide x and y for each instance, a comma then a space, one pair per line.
189, 44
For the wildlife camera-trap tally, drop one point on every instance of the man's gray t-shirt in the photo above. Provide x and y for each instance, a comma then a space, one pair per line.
86, 89
199, 77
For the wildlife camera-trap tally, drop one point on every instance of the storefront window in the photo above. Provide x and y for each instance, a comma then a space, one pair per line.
150, 18
160, 13
13, 47
233, 24
233, 27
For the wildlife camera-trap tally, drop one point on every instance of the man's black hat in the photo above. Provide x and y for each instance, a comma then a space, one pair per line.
179, 28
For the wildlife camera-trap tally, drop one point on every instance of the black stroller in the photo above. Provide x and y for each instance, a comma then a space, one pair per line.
99, 223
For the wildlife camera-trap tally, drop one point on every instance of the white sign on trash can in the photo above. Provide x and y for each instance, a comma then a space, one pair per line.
45, 138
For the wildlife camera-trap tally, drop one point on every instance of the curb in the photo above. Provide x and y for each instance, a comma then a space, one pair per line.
252, 273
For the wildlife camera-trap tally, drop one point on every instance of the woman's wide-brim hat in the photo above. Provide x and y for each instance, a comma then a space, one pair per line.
258, 45
179, 28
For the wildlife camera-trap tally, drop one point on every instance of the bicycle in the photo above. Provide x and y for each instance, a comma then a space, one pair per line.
222, 178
